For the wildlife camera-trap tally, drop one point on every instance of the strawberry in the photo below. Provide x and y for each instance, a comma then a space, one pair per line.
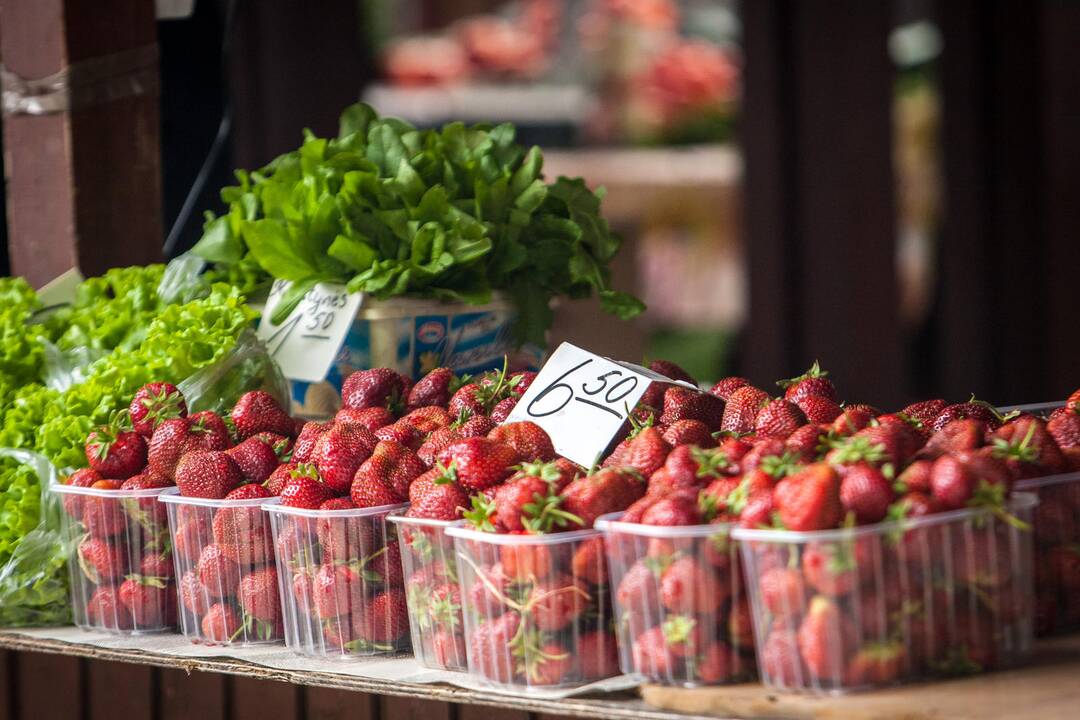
833, 568
809, 499
644, 452
101, 561
957, 436
975, 409
557, 602
338, 454
781, 663
651, 654
73, 504
740, 627
435, 443
105, 610
334, 591
742, 408
638, 591
819, 409
688, 432
207, 474
1027, 448
374, 492
158, 565
305, 489
876, 664
103, 516
609, 490
435, 388
305, 441
812, 382
340, 537
449, 650
758, 511
866, 492
475, 426
171, 439
391, 465
673, 510
220, 623
851, 420
1073, 403
147, 511
1065, 429
378, 387
724, 388
435, 495
826, 639
402, 433
672, 370
530, 500
925, 411
192, 596
529, 439
520, 381
683, 635
218, 573
146, 598
153, 403
257, 411
525, 563
428, 419
684, 404
242, 532
192, 532
208, 431
716, 664
115, 452
258, 597
687, 587
502, 409
488, 643
779, 418
372, 418
384, 566
256, 460
956, 480
385, 619
915, 478
471, 399
783, 591
479, 463
589, 563
690, 466
805, 442
598, 654
281, 475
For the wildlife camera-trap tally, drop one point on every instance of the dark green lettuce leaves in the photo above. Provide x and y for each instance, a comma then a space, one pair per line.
391, 210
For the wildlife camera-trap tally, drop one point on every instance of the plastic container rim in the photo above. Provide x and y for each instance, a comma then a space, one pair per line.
173, 496
610, 523
1045, 480
98, 492
279, 509
458, 530
398, 517
1018, 501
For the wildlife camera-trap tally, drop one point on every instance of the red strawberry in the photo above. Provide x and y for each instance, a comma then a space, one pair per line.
171, 439
687, 587
866, 492
1073, 403
876, 664
479, 463
339, 453
104, 609
955, 479
243, 533
916, 477
688, 432
645, 452
530, 500
834, 568
809, 499
305, 441
220, 623
334, 591
256, 460
476, 426
218, 573
392, 465
758, 511
374, 492
435, 443
470, 399
525, 562
147, 598
652, 656
428, 419
402, 433
683, 635
153, 403
372, 418
101, 561
925, 411
207, 474
598, 654
503, 408
385, 619
812, 382
257, 411
851, 420
192, 596
716, 664
281, 445
305, 490
957, 436
281, 475
529, 439
778, 419
673, 511
158, 565
826, 639
489, 644
103, 516
435, 388
672, 370
116, 453
378, 387
147, 511
589, 563
740, 627
639, 590
805, 441
449, 650
609, 490
781, 663
1065, 429
258, 597
436, 496
742, 408
975, 409
1027, 448
690, 466
724, 388
684, 404
819, 409
557, 602
208, 431
73, 504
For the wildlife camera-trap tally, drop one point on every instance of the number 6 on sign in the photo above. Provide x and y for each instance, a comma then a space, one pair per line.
581, 400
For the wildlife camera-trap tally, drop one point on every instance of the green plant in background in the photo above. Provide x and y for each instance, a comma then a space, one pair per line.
391, 210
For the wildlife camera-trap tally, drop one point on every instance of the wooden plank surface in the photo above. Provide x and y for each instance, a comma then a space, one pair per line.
475, 712
254, 699
118, 690
327, 704
184, 695
399, 708
7, 696
50, 686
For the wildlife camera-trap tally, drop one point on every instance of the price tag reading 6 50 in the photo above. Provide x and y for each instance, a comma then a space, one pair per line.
581, 400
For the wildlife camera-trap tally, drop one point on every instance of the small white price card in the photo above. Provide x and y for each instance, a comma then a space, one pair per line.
582, 400
306, 342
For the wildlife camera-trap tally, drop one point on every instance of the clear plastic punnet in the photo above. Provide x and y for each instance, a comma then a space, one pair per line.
1057, 552
836, 611
340, 579
120, 565
227, 583
431, 591
537, 609
683, 616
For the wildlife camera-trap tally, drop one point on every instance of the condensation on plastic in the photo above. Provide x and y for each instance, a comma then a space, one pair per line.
537, 609
844, 610
681, 610
247, 366
33, 577
431, 591
226, 576
121, 567
340, 580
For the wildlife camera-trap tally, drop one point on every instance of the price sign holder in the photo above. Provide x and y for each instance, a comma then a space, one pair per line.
307, 341
582, 400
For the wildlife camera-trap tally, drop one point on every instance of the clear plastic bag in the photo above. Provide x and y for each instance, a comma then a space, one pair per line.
61, 369
248, 366
182, 280
33, 582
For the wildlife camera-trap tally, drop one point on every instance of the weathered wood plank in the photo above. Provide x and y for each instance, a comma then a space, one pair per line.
327, 704
185, 695
50, 686
118, 690
260, 699
396, 708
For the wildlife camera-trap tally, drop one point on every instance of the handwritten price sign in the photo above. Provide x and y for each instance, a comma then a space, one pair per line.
305, 343
582, 400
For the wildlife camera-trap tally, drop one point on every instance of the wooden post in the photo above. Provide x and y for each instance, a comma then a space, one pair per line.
83, 176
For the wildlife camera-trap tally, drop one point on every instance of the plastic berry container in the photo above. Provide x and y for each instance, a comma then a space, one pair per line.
536, 608
121, 568
340, 579
431, 591
683, 616
844, 610
1057, 552
227, 582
